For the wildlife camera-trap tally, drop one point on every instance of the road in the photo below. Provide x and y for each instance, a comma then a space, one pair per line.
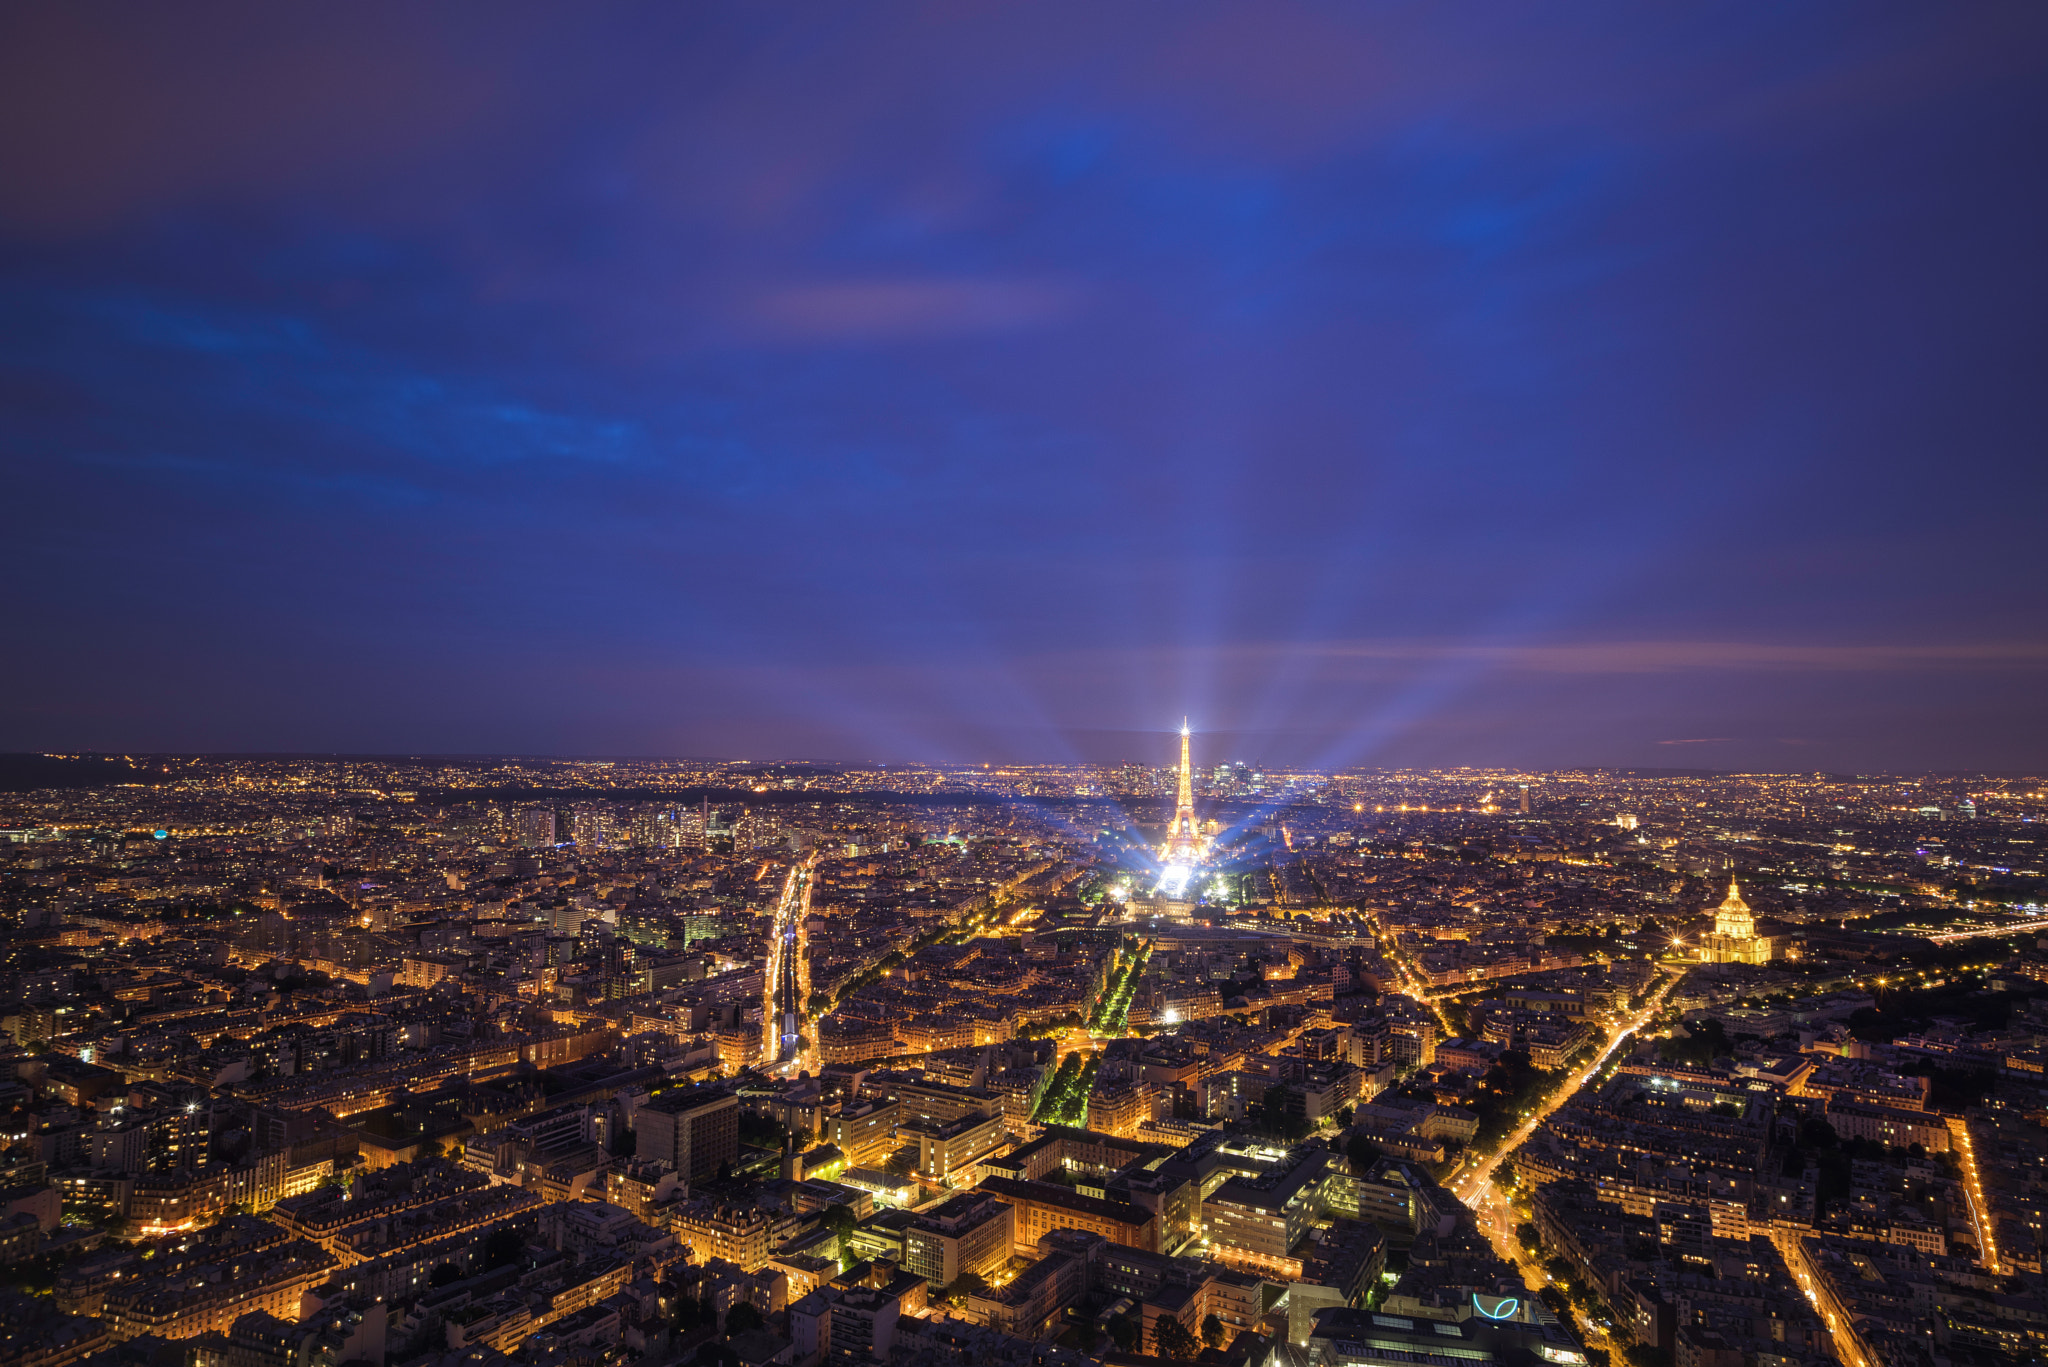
1493, 1209
786, 985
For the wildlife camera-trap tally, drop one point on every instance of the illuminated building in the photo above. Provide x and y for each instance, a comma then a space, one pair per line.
1487, 1328
1041, 1207
865, 1132
693, 1131
738, 1234
1185, 844
945, 1148
1733, 939
964, 1233
1339, 1271
235, 1268
1119, 1108
1260, 1223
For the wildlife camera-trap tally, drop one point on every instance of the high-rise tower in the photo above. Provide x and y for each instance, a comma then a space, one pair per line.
1183, 839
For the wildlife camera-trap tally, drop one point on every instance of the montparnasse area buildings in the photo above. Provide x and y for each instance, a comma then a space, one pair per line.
414, 1063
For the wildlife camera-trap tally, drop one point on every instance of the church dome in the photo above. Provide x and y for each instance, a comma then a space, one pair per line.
1733, 916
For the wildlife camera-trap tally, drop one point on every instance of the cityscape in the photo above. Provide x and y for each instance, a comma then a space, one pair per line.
382, 1060
1237, 684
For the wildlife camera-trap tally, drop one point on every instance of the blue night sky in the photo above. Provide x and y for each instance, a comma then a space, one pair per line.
1377, 384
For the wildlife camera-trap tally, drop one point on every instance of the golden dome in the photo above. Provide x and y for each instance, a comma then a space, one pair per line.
1733, 916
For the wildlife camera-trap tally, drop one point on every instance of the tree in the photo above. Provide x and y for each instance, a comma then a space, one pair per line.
1530, 1239
1172, 1338
1816, 1133
743, 1318
1703, 1042
503, 1246
1345, 1115
443, 1274
839, 1219
1212, 1331
712, 1353
761, 1130
680, 1304
1362, 1153
1122, 1333
1276, 1113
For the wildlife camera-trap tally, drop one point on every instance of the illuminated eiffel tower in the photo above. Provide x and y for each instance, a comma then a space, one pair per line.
1184, 844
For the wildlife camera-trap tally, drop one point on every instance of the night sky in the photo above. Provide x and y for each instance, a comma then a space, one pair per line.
1408, 384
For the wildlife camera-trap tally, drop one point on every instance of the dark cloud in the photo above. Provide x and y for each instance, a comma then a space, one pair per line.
1382, 383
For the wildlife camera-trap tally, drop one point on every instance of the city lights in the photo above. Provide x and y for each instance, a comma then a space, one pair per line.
597, 611
1529, 997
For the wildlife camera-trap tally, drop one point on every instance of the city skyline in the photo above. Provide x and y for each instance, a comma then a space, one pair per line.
932, 685
332, 1059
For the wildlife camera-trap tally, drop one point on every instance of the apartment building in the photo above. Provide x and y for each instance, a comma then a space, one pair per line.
965, 1233
738, 1234
1042, 1207
694, 1130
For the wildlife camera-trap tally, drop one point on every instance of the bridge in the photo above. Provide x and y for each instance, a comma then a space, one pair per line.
2019, 928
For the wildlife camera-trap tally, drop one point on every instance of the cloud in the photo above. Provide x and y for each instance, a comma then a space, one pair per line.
888, 310
1339, 373
1398, 658
1672, 657
1698, 740
170, 368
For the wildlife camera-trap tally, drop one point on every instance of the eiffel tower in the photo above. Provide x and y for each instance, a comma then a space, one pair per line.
1184, 844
